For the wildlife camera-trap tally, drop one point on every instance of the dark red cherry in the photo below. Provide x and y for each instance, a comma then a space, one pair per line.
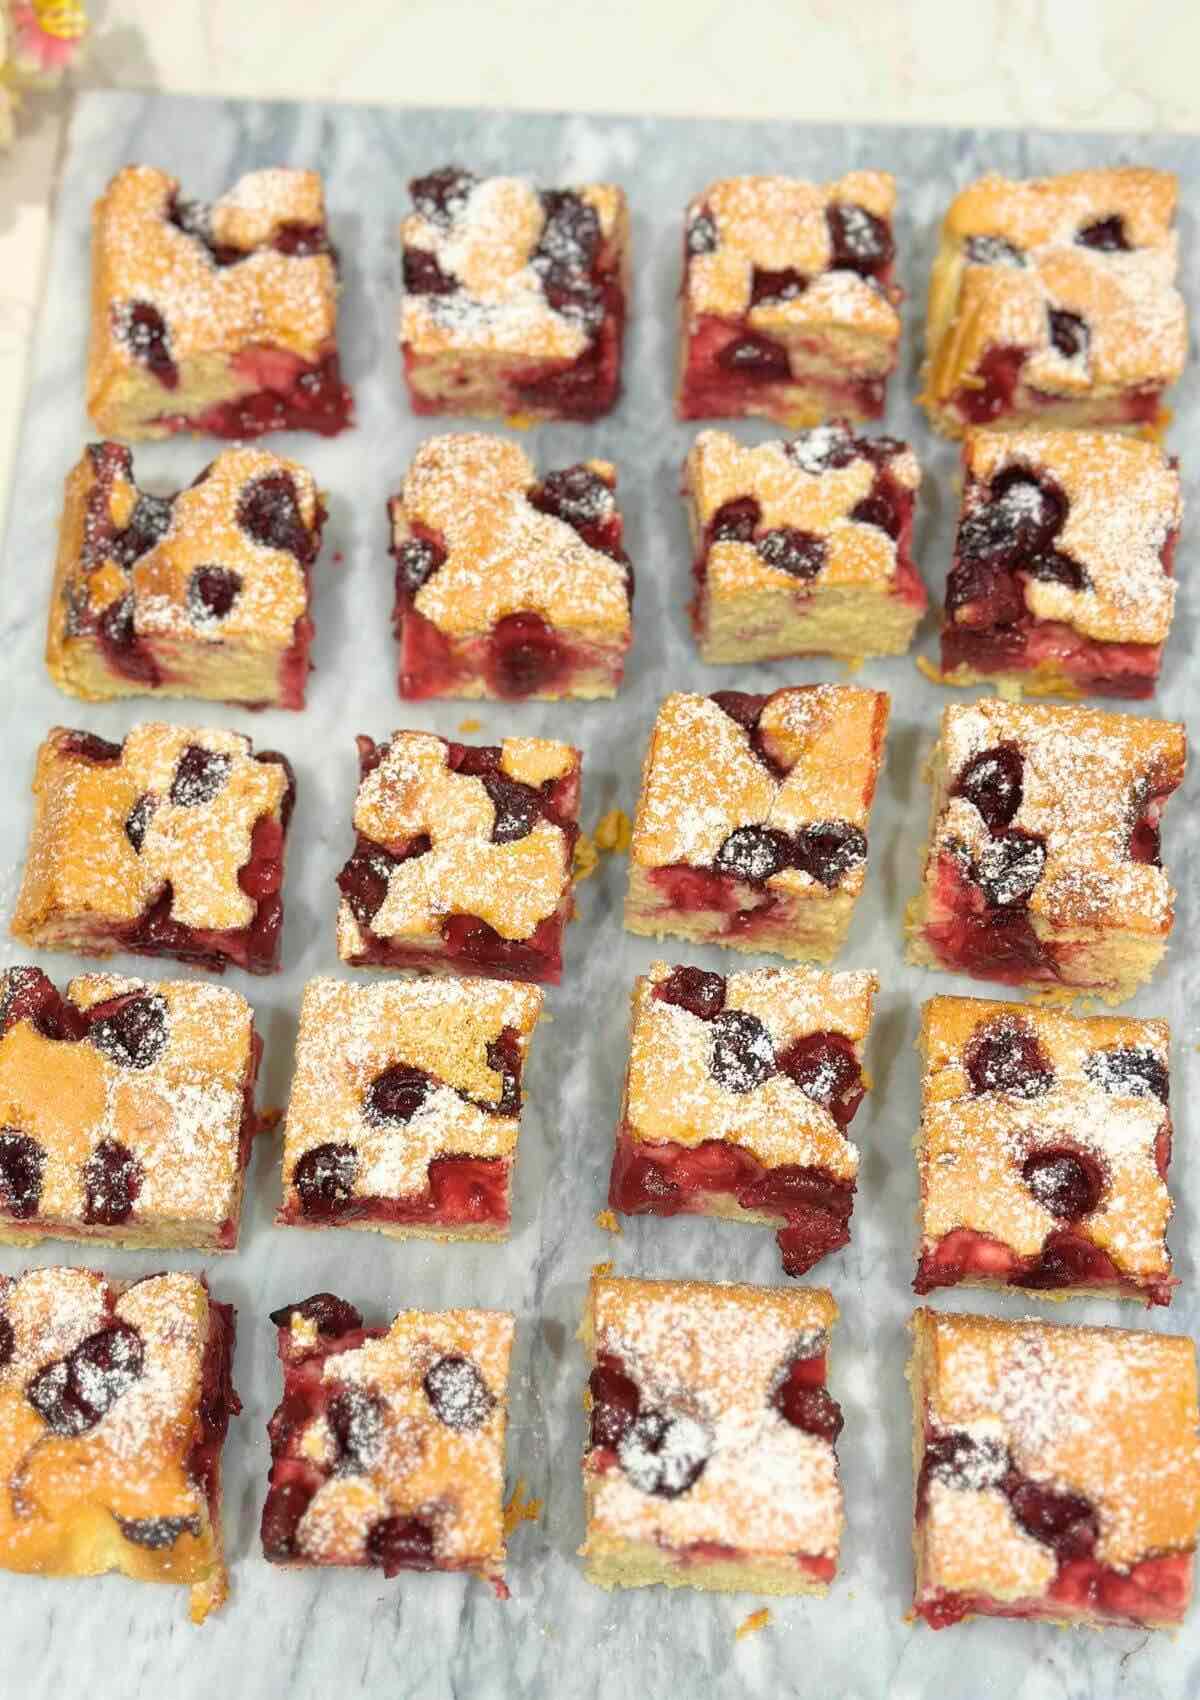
1129, 1071
878, 509
860, 241
1068, 333
757, 357
1022, 515
825, 1068
784, 285
417, 559
363, 882
663, 1453
87, 746
1004, 1056
812, 1409
827, 850
1066, 1183
1009, 867
702, 233
504, 1058
1066, 1522
131, 1031
992, 782
516, 806
579, 497
324, 1178
993, 251
269, 513
300, 241
753, 854
736, 521
1053, 567
21, 1162
742, 706
145, 334
615, 1403
199, 775
212, 592
112, 1179
1107, 235
396, 1095
743, 1055
1068, 1259
423, 274
8, 1341
400, 1543
356, 1420
458, 1393
72, 1394
569, 240
330, 1315
441, 196
693, 989
801, 553
285, 1505
148, 525
526, 656
156, 1534
27, 995
963, 1461
826, 448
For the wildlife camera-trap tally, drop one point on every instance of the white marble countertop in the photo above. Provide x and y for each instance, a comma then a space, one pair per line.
1104, 65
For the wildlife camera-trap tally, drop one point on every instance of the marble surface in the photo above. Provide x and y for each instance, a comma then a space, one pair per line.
433, 1637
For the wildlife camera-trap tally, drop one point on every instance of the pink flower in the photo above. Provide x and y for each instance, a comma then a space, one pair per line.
47, 34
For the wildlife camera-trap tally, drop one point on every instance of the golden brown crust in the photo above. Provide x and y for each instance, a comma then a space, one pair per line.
504, 556
1106, 1413
350, 1034
451, 1477
81, 866
269, 299
1135, 317
1124, 504
203, 532
974, 1144
65, 1493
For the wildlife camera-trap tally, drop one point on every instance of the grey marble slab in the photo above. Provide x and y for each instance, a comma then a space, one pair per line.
432, 1637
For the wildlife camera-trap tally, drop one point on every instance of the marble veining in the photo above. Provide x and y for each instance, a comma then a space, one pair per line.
433, 1637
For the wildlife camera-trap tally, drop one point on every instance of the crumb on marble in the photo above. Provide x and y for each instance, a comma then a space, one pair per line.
520, 1509
752, 1624
614, 832
607, 1220
470, 724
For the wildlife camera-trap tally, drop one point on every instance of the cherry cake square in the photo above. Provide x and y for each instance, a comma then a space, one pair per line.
463, 857
215, 317
1044, 866
1053, 300
738, 1095
200, 594
128, 1108
1061, 581
388, 1447
1045, 1140
1057, 1472
508, 585
406, 1106
514, 296
168, 844
115, 1398
710, 1459
803, 547
751, 825
789, 304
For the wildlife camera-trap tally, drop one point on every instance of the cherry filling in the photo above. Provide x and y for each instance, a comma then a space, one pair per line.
1106, 235
984, 927
755, 358
1129, 1071
802, 1399
143, 330
783, 285
825, 1068
992, 783
860, 241
1071, 1181
525, 656
21, 1163
441, 196
293, 237
1001, 541
72, 1394
1005, 1056
695, 990
1069, 1184
288, 394
581, 499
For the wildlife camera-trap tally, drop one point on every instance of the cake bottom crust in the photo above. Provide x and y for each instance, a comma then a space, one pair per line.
211, 672
262, 388
849, 623
999, 398
801, 929
613, 1563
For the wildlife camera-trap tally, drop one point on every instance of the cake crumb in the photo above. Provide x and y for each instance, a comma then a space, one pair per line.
269, 1120
607, 1220
614, 832
853, 663
933, 673
600, 1270
752, 1624
470, 724
586, 859
519, 1509
520, 421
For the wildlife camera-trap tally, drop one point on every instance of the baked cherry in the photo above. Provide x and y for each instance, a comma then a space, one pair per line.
300, 241
396, 1095
701, 237
459, 1395
1021, 516
417, 559
525, 656
827, 448
569, 240
144, 331
504, 1058
1068, 332
27, 995
1106, 235
112, 1179
72, 1394
324, 1178
825, 1068
199, 775
157, 1533
800, 553
148, 525
330, 1315
991, 781
993, 251
516, 808
285, 1506
693, 989
758, 357
962, 1461
744, 707
615, 1403
859, 240
812, 1409
8, 1341
1009, 867
131, 1031
736, 521
269, 513
423, 274
1053, 567
1066, 1522
579, 497
664, 1453
878, 509
356, 1421
212, 592
1068, 1184
1068, 1259
1129, 1071
743, 1055
753, 854
827, 850
400, 1543
441, 196
1004, 1056
363, 882
783, 285
88, 746
21, 1162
